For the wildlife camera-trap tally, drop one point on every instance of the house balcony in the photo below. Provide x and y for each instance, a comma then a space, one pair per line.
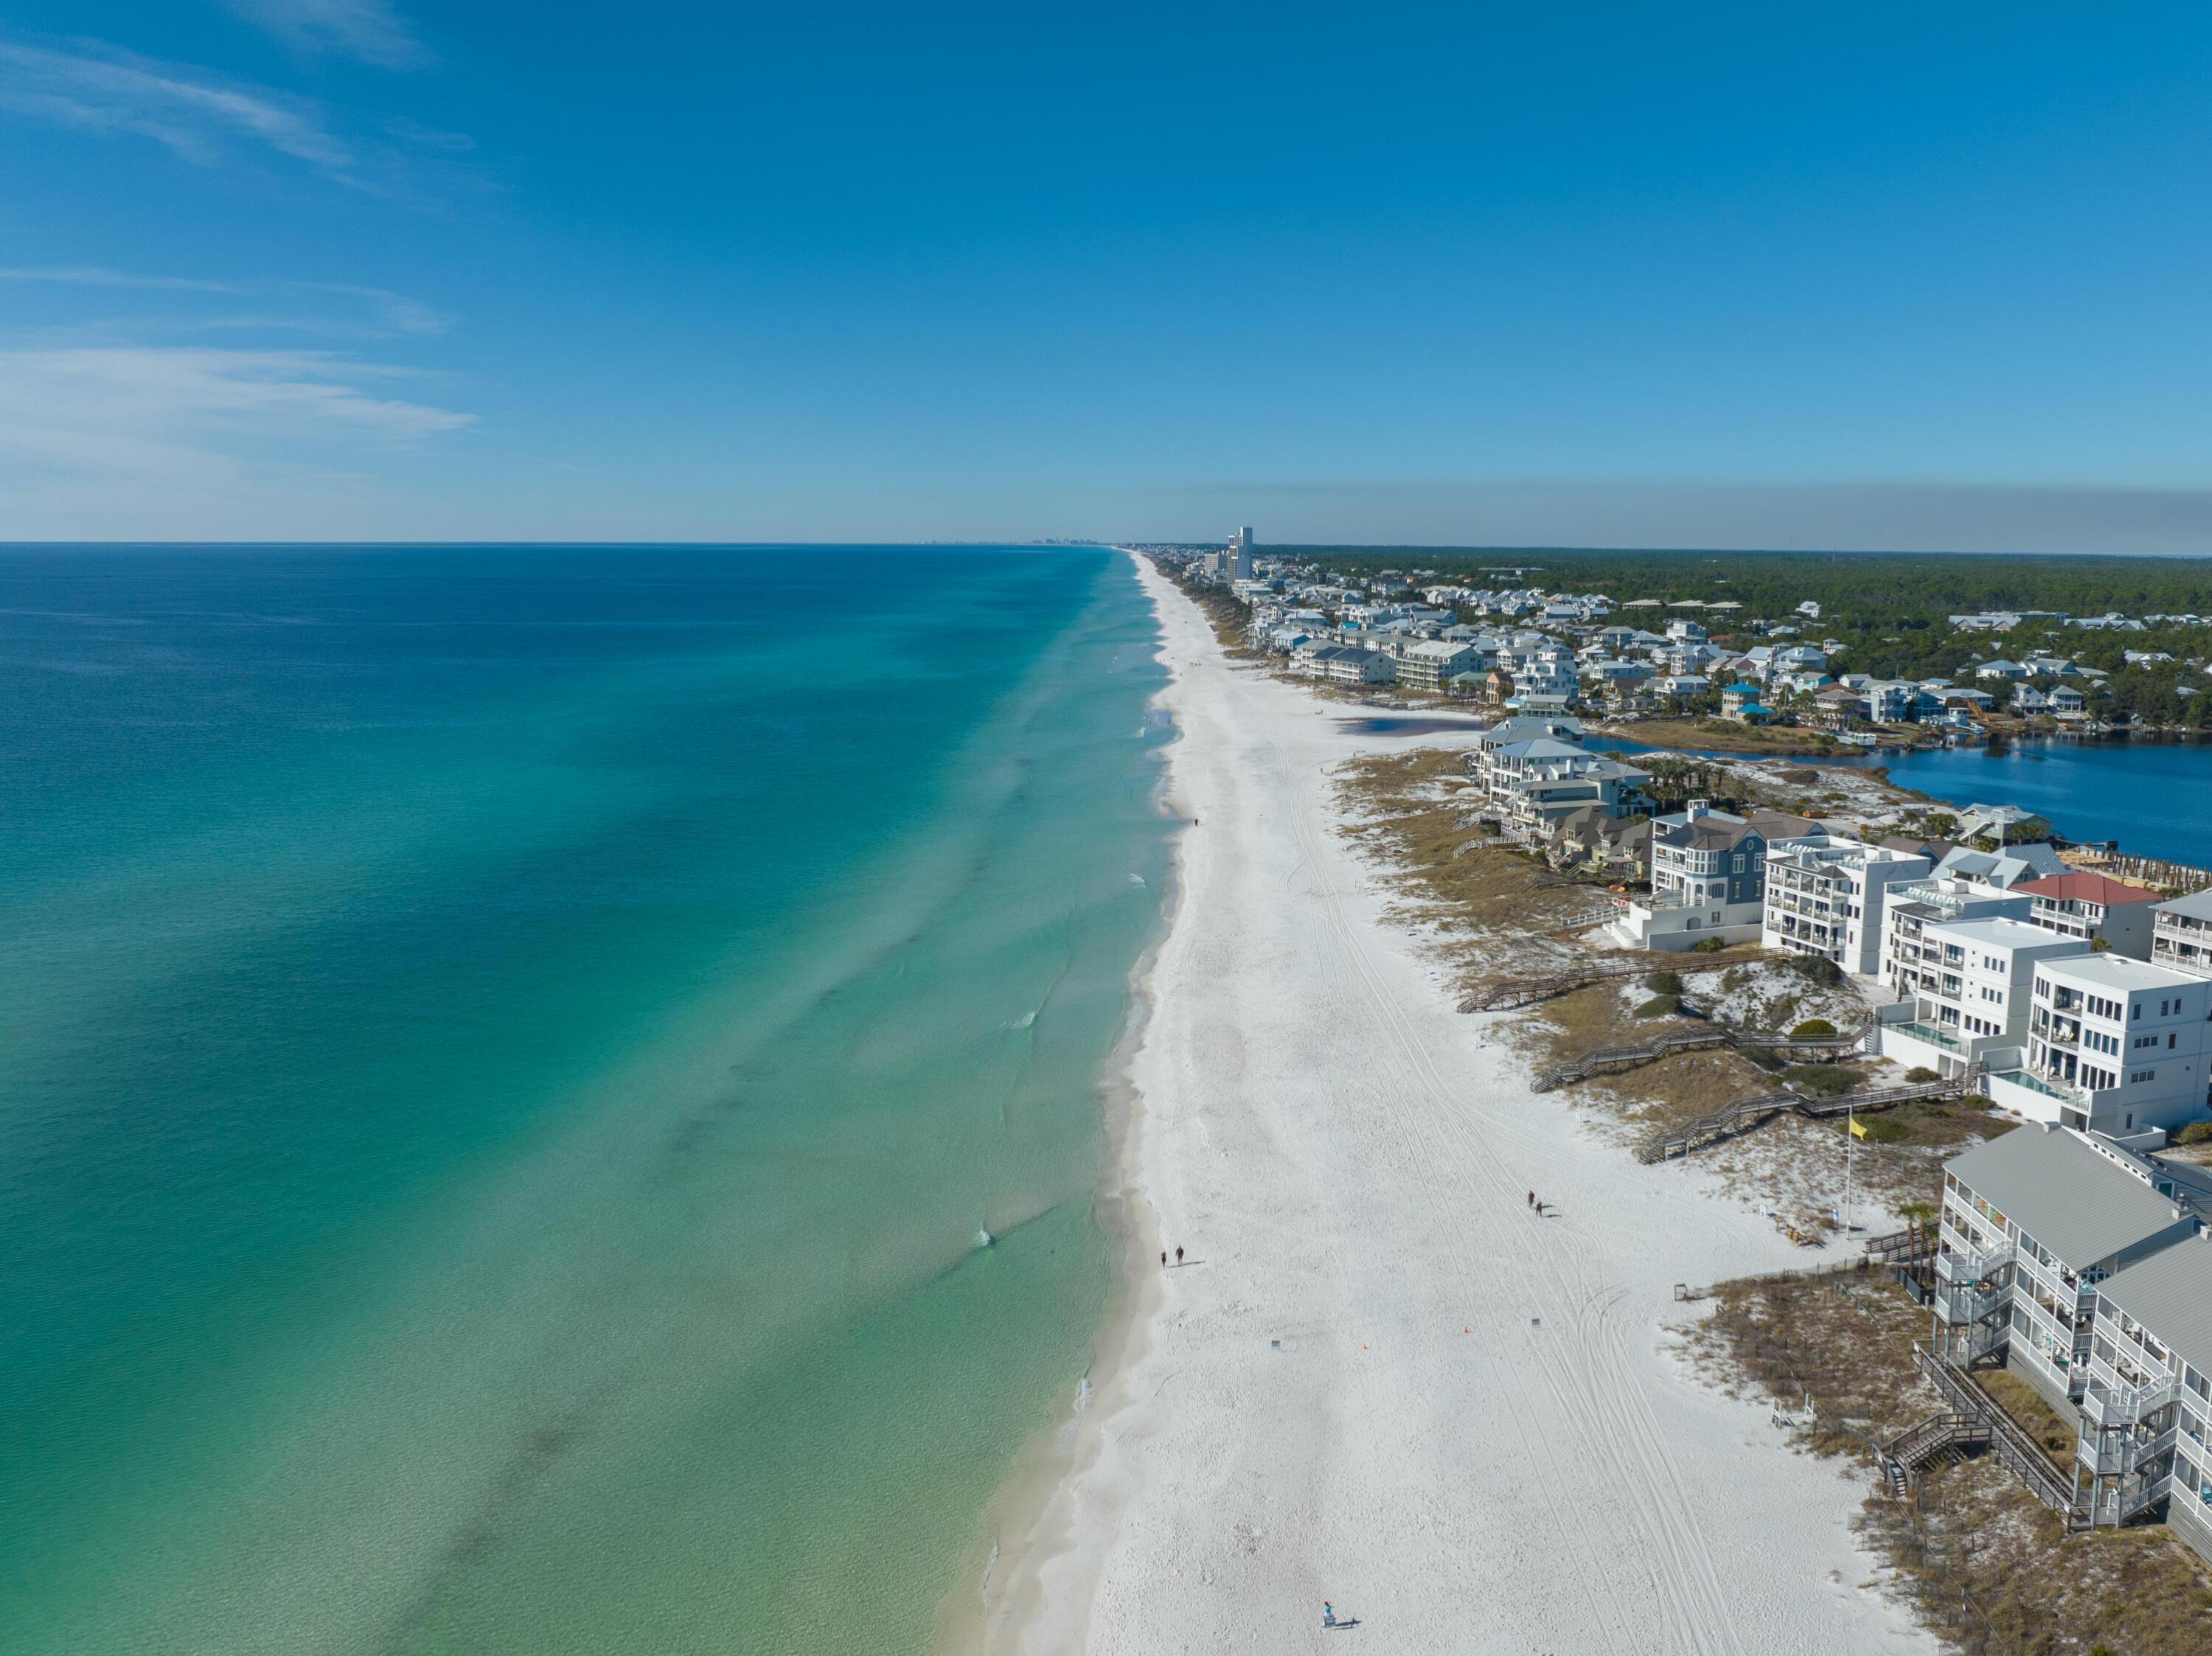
1965, 1266
2108, 1408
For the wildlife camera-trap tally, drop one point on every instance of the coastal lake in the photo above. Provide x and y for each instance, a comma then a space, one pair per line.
551, 1096
2153, 796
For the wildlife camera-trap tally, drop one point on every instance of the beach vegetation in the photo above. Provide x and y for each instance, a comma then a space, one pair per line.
1816, 969
1988, 1569
1884, 1130
1828, 1080
1664, 983
1659, 1006
1813, 1029
2197, 1132
1920, 1073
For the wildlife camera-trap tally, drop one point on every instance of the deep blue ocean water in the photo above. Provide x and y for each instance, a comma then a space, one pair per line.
506, 1059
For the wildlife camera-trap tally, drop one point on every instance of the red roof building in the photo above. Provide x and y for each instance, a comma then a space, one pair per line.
2094, 907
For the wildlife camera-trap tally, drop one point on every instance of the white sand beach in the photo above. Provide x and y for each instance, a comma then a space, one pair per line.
1381, 1381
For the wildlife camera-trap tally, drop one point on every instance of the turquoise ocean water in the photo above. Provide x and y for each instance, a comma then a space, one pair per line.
505, 1057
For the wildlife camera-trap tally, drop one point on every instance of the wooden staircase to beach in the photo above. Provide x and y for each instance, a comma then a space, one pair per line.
1946, 1436
2008, 1440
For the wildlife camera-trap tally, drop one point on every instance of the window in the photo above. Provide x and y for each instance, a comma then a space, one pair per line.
2140, 1075
2135, 1012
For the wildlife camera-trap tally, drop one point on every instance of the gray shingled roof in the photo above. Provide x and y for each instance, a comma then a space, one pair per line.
2062, 1193
2171, 1295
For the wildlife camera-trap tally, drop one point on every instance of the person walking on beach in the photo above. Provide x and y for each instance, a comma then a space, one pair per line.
1163, 1259
1178, 1256
1327, 1615
1532, 1199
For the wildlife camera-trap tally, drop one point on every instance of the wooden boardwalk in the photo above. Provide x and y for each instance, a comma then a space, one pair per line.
1748, 1113
1514, 992
1611, 1060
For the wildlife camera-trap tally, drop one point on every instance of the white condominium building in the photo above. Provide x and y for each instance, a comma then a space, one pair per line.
1827, 900
1913, 906
2181, 935
2115, 1045
1972, 988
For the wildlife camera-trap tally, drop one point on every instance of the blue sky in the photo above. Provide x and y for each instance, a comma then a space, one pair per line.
1906, 276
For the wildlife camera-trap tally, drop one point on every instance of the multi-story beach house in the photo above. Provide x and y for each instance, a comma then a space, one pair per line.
1970, 988
1344, 665
2096, 908
2181, 934
2032, 1222
1914, 905
2114, 1045
1432, 665
1708, 875
1740, 702
1827, 899
2145, 1445
1544, 685
1534, 784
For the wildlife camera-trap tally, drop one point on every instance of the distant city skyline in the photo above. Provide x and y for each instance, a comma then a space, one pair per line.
361, 270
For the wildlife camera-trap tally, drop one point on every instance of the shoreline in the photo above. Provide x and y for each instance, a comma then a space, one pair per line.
1000, 1594
1305, 1416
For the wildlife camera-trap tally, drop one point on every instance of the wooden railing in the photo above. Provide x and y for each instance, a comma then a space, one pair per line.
1748, 1113
2012, 1444
1527, 992
1611, 1060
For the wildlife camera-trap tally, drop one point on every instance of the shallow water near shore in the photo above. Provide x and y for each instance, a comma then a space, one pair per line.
514, 1056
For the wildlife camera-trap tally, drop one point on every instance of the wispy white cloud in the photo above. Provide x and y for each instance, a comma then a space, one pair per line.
369, 30
194, 113
387, 311
139, 414
87, 276
210, 119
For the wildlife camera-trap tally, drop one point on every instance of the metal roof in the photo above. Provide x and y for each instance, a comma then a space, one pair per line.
2197, 905
2081, 1205
2170, 1294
